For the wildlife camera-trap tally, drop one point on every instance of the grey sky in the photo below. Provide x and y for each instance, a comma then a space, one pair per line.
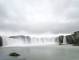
38, 16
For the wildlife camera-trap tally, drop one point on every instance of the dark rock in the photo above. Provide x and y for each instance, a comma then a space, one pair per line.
17, 36
69, 39
76, 38
60, 39
1, 41
14, 54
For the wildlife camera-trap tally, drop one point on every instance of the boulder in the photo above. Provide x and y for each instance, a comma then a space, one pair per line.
14, 54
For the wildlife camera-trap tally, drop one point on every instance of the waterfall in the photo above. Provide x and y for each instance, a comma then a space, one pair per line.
64, 40
35, 41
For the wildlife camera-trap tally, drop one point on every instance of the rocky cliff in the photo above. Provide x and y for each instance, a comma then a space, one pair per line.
71, 39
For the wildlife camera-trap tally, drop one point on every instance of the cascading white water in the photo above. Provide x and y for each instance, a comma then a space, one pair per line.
42, 40
33, 42
64, 40
12, 42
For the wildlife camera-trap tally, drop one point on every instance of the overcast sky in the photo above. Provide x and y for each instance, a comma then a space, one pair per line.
39, 16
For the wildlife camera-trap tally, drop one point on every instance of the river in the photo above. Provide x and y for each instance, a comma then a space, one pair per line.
52, 52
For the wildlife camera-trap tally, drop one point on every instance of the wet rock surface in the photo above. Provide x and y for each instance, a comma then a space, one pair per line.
69, 39
60, 38
14, 54
1, 41
76, 38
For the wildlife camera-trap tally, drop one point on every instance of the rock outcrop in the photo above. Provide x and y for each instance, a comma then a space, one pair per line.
75, 36
1, 41
69, 39
60, 38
